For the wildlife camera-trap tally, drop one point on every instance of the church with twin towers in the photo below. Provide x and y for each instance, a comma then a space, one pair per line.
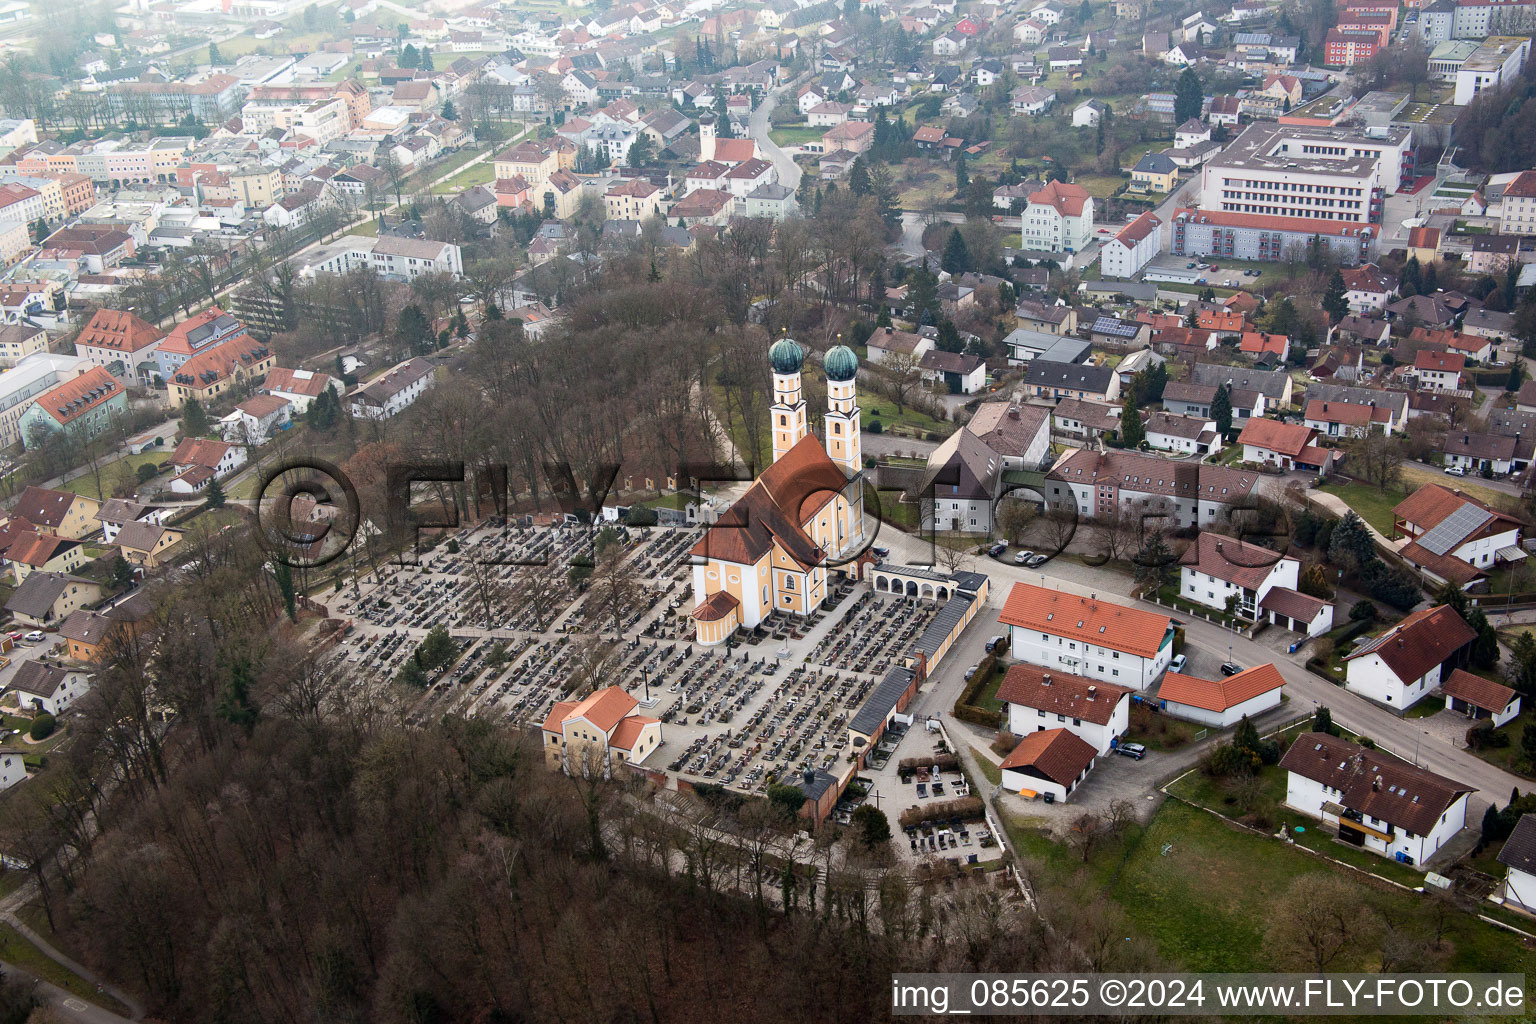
802, 519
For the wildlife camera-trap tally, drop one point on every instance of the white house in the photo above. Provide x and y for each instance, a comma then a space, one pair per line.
47, 687
198, 462
1403, 664
887, 343
1480, 698
256, 419
1058, 218
13, 767
1132, 248
1051, 764
962, 374
1193, 435
1087, 114
1087, 637
1455, 538
1035, 700
1367, 287
1217, 569
299, 387
1186, 492
1298, 612
1375, 800
392, 392
1222, 703
1518, 855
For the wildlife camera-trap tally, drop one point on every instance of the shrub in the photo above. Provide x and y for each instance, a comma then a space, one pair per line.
42, 726
147, 471
1004, 742
876, 427
1363, 611
1483, 736
642, 515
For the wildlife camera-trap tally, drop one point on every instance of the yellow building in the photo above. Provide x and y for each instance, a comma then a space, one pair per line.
257, 187
591, 734
533, 160
146, 544
802, 519
15, 241
560, 195
637, 199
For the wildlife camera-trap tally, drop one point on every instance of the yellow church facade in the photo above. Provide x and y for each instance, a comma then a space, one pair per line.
801, 520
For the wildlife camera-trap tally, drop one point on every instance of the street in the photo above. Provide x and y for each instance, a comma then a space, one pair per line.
1407, 738
758, 127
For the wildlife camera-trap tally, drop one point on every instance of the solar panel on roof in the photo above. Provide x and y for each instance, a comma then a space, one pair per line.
1454, 528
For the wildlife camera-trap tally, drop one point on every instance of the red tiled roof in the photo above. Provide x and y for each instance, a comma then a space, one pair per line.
1350, 413
1235, 561
1057, 754
1061, 693
118, 330
716, 607
1420, 642
1477, 691
1449, 362
1101, 623
74, 398
1220, 694
1067, 200
1137, 230
1275, 222
1285, 438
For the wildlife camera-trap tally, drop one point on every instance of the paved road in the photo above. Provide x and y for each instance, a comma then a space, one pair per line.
72, 1006
1405, 737
758, 126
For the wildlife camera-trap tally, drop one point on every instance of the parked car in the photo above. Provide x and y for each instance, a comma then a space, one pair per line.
997, 549
1230, 668
1132, 750
36, 636
1036, 561
995, 642
1178, 663
1455, 471
971, 672
1022, 557
881, 552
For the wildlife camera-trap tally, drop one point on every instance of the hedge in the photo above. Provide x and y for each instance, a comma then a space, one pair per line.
965, 807
966, 708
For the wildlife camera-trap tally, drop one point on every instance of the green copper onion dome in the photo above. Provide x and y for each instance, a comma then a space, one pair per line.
840, 363
786, 355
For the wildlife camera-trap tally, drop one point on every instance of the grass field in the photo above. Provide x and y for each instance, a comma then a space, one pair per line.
1206, 902
480, 174
990, 771
797, 136
86, 483
1101, 186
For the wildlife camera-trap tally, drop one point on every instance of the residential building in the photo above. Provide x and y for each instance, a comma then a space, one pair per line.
1087, 637
1368, 288
600, 732
1154, 172
84, 406
198, 333
635, 199
394, 391
86, 633
48, 688
1346, 419
120, 341
1517, 211
1454, 538
961, 485
145, 545
1120, 482
1222, 703
887, 344
119, 512
17, 341
71, 516
1085, 421
1060, 346
1372, 799
255, 420
961, 374
1132, 248
1048, 379
1035, 700
1193, 435
1285, 445
1020, 434
214, 371
198, 462
45, 599
299, 387
1403, 664
32, 551
1233, 576
1439, 371
1518, 855
1058, 218
1496, 62
1052, 763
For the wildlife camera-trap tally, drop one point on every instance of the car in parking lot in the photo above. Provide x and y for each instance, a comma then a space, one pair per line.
1230, 668
1132, 750
1178, 663
997, 549
36, 636
1036, 561
1022, 557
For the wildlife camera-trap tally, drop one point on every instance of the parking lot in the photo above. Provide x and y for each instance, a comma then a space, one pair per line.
773, 702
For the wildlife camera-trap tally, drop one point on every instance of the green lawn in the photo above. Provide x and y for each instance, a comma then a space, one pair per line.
86, 483
993, 773
15, 949
890, 507
480, 174
987, 698
793, 136
1374, 505
1204, 894
1101, 186
1511, 758
906, 423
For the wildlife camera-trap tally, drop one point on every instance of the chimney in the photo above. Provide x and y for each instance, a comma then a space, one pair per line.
1092, 692
1376, 784
1045, 679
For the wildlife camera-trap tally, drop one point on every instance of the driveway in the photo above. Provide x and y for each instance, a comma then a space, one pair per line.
758, 126
1404, 737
